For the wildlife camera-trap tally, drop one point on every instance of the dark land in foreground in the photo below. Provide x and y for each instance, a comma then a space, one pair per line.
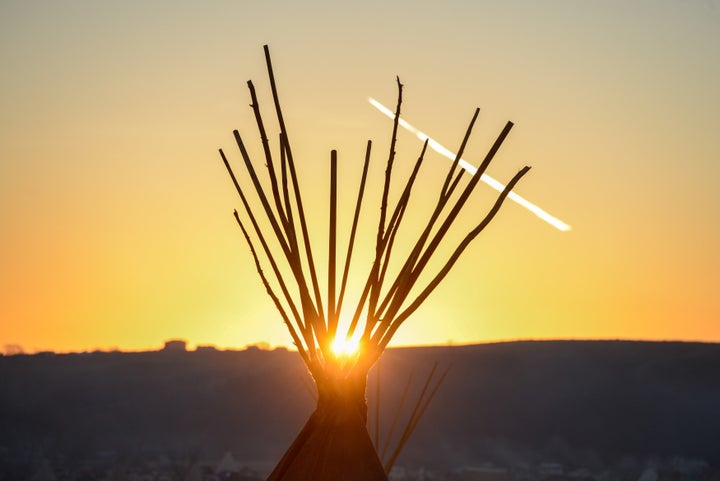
582, 403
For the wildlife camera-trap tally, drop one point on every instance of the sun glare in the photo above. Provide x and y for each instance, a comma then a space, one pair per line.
344, 347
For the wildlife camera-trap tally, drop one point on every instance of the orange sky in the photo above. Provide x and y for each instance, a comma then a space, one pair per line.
116, 214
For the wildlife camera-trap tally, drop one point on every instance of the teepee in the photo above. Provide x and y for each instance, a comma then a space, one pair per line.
334, 443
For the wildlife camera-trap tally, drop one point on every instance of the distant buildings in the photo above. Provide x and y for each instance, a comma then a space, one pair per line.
175, 345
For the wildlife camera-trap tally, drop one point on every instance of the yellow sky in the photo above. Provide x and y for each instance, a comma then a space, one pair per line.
116, 214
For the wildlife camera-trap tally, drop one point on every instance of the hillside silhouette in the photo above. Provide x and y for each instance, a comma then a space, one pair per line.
605, 399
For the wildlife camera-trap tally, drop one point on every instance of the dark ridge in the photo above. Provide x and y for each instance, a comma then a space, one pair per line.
606, 399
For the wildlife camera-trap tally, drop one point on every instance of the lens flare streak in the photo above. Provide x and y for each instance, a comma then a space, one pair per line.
440, 149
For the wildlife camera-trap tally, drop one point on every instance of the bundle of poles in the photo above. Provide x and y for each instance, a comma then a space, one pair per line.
386, 301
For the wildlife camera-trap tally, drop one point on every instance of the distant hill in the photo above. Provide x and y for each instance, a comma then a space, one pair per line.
589, 401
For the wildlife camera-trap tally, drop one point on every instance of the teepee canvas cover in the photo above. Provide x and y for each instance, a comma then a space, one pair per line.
334, 443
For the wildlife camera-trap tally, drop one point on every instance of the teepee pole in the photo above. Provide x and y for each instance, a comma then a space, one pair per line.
296, 261
417, 414
304, 329
274, 298
396, 417
373, 283
427, 402
456, 161
353, 230
332, 244
379, 244
298, 200
397, 217
454, 184
389, 166
309, 309
279, 233
268, 155
292, 237
406, 432
389, 238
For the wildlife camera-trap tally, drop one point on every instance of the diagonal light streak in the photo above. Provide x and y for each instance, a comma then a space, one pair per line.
437, 147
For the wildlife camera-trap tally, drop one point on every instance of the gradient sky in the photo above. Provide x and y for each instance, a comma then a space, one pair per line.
116, 213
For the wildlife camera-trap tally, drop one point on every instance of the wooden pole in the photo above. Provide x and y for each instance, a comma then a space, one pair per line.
268, 154
353, 230
319, 322
396, 417
332, 241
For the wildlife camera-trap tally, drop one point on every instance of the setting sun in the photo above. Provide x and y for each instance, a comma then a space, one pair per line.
345, 347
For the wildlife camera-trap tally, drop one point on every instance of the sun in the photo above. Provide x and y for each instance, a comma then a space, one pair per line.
345, 347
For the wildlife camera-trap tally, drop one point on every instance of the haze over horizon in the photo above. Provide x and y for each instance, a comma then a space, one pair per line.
116, 214
190, 346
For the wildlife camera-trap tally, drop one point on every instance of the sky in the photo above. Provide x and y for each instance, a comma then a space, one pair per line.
116, 227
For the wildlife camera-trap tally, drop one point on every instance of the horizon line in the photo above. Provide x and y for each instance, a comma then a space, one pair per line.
265, 346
